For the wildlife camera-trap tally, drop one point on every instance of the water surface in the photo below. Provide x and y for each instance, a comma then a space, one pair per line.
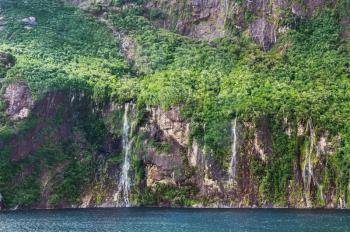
173, 220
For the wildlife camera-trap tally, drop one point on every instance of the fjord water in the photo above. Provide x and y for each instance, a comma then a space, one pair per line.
173, 220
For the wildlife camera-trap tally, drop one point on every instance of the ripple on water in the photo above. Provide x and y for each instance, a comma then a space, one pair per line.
174, 220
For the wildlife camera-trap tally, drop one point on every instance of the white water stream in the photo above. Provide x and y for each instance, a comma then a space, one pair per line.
233, 163
124, 182
308, 169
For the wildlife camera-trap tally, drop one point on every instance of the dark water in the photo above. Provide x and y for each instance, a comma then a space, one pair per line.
173, 220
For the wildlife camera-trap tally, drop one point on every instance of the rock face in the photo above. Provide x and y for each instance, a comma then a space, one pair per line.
86, 4
169, 166
263, 33
171, 124
203, 19
209, 19
1, 202
19, 100
166, 160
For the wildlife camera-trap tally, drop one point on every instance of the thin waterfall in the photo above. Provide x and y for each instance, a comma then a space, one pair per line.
233, 163
308, 170
124, 182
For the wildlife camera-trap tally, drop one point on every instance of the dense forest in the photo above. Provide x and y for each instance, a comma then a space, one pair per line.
78, 64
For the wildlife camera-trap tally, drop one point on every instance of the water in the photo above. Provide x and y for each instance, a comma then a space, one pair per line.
176, 220
124, 182
307, 170
233, 163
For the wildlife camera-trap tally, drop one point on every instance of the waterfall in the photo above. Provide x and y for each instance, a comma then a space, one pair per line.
307, 170
233, 163
124, 182
226, 7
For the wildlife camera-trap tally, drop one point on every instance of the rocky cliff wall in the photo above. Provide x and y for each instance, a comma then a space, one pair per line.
264, 20
66, 150
168, 167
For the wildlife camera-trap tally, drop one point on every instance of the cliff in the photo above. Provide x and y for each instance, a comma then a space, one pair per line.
174, 103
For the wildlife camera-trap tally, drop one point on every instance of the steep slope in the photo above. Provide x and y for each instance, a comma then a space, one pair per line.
174, 103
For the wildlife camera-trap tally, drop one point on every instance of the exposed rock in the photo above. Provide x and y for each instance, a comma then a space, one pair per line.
263, 140
195, 155
1, 202
29, 22
264, 33
208, 19
345, 21
165, 167
86, 200
298, 10
155, 175
321, 146
283, 29
128, 46
312, 5
2, 23
171, 124
19, 101
204, 19
47, 108
86, 4
301, 129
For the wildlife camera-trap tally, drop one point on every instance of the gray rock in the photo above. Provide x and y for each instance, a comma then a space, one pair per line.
19, 101
264, 33
345, 22
2, 23
298, 10
29, 22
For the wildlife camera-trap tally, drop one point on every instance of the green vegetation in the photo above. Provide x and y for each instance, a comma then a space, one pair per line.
169, 195
305, 76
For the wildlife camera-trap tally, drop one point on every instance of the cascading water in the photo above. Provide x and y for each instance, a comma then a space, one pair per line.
124, 182
307, 170
233, 163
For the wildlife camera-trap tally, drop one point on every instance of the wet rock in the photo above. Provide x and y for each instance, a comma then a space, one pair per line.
86, 200
29, 22
1, 202
19, 100
2, 23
